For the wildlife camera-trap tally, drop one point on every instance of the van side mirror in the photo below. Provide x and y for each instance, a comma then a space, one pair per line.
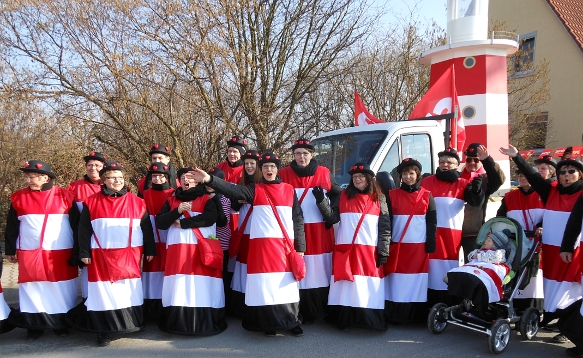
385, 181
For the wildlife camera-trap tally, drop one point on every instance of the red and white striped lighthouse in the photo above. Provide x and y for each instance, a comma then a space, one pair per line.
480, 74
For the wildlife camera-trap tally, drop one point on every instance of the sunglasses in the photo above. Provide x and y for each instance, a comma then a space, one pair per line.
570, 171
475, 160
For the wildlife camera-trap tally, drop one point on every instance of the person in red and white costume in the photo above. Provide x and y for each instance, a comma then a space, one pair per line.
114, 231
414, 222
238, 250
547, 168
153, 271
303, 174
451, 193
233, 165
159, 153
571, 323
526, 207
193, 301
561, 279
272, 292
82, 189
40, 230
5, 326
365, 229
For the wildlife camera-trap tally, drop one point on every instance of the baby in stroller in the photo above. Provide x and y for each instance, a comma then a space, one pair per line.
483, 278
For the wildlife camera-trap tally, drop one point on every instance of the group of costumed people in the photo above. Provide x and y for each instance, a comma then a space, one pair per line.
147, 256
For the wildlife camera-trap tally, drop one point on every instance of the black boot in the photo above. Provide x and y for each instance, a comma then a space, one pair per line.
103, 340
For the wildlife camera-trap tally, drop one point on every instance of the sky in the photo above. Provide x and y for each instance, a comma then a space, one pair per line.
427, 10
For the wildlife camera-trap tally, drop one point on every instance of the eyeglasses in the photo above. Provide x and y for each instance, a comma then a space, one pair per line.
446, 163
157, 176
269, 167
470, 160
114, 178
94, 166
570, 171
31, 177
358, 177
185, 178
302, 154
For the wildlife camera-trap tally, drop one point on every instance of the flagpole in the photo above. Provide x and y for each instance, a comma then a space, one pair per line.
455, 119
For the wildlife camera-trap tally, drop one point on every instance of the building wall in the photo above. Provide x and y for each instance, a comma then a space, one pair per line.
555, 44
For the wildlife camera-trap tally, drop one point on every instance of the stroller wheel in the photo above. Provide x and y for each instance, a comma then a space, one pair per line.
529, 323
437, 319
499, 336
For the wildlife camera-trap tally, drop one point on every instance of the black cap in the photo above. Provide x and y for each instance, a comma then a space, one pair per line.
361, 168
302, 143
449, 152
160, 168
547, 159
159, 148
572, 162
239, 143
217, 172
269, 157
472, 150
110, 166
37, 166
95, 156
251, 154
407, 162
183, 171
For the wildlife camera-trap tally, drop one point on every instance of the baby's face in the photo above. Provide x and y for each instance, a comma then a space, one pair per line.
488, 244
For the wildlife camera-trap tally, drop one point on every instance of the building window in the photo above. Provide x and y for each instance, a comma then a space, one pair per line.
536, 133
523, 59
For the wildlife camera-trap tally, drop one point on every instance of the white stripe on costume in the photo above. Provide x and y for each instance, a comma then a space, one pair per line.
450, 212
437, 270
116, 230
558, 219
106, 296
58, 233
4, 309
363, 292
265, 225
559, 295
309, 207
407, 288
416, 231
239, 281
152, 284
318, 271
287, 289
84, 281
193, 291
367, 235
50, 297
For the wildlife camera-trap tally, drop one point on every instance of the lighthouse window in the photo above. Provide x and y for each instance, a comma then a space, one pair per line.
469, 62
469, 112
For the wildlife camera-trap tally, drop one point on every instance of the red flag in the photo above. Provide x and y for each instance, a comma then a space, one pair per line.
362, 117
440, 99
545, 152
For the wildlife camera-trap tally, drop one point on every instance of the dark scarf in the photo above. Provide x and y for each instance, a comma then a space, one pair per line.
411, 188
46, 186
276, 181
114, 194
191, 193
89, 180
307, 171
248, 178
238, 163
171, 178
450, 176
161, 187
571, 189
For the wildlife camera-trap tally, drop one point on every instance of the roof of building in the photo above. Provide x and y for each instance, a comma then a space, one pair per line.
570, 12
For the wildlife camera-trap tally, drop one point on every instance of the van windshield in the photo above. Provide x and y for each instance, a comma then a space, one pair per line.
340, 152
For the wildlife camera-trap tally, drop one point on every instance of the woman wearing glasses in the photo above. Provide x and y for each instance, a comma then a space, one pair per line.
561, 270
193, 297
450, 193
272, 293
357, 294
114, 231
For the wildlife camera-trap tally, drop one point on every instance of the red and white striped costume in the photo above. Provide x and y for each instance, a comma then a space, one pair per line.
562, 281
5, 326
58, 294
449, 204
153, 271
407, 267
319, 241
82, 189
193, 298
361, 302
528, 211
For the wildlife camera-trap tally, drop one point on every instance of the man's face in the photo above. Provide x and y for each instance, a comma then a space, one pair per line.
473, 164
160, 158
233, 154
93, 167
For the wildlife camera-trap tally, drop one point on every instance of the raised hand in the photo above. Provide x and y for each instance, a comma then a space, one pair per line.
511, 151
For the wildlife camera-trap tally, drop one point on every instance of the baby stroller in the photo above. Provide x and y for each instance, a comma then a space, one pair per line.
495, 318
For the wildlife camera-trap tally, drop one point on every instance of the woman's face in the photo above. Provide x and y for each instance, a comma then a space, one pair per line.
187, 180
158, 178
114, 180
569, 175
544, 170
269, 171
250, 166
409, 177
523, 182
92, 167
359, 180
35, 181
302, 157
447, 163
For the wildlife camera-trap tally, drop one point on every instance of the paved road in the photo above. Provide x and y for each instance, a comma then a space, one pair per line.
319, 340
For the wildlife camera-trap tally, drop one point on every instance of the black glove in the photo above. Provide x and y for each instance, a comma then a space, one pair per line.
318, 193
328, 226
477, 184
381, 260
